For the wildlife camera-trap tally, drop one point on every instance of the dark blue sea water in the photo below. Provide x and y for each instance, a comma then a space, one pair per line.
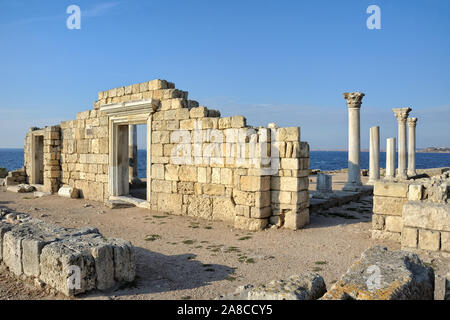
12, 159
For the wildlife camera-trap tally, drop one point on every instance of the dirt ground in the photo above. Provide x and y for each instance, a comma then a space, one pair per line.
189, 258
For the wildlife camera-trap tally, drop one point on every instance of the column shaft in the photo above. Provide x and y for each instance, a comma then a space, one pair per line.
401, 114
390, 158
374, 156
354, 101
412, 146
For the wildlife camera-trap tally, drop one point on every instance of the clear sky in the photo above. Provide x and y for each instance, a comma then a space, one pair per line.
272, 61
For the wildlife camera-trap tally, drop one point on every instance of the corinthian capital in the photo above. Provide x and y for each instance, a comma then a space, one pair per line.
354, 99
401, 113
412, 122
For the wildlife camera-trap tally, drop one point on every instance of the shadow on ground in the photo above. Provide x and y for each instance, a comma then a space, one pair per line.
157, 273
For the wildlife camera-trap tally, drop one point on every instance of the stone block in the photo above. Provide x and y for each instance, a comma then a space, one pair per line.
394, 224
391, 189
378, 222
427, 215
200, 206
249, 223
429, 240
409, 238
238, 122
445, 241
68, 192
388, 205
295, 220
255, 183
199, 112
288, 134
223, 209
415, 192
396, 275
386, 235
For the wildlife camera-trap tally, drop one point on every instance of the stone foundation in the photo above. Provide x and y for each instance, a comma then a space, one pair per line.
55, 256
415, 213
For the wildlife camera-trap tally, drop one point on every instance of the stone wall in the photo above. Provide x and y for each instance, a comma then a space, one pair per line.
71, 261
201, 164
388, 201
51, 157
84, 154
415, 213
426, 226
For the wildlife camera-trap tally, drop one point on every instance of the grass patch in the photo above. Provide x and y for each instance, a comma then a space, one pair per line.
232, 249
186, 298
317, 269
230, 278
188, 242
153, 237
208, 227
251, 260
28, 198
160, 217
321, 262
245, 238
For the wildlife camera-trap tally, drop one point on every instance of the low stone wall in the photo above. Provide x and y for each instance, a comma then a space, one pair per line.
388, 201
71, 261
426, 226
415, 213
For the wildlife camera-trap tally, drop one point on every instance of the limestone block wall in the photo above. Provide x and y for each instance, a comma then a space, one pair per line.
84, 154
71, 261
413, 213
388, 201
426, 226
51, 153
215, 167
201, 164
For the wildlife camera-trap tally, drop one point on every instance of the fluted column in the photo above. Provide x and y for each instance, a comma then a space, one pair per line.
390, 159
401, 114
412, 146
132, 152
354, 101
374, 155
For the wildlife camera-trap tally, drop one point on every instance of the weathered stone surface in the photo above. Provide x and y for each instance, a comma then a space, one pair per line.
388, 205
25, 188
118, 204
390, 189
385, 275
309, 286
250, 224
427, 215
68, 192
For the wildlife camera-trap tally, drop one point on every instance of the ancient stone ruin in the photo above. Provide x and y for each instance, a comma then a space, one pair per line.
71, 261
198, 163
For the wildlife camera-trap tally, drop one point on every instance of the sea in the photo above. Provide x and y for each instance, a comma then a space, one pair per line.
13, 159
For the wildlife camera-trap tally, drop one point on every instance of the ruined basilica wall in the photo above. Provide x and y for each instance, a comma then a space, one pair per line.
212, 167
202, 164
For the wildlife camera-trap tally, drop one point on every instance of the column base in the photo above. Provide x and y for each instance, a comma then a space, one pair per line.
412, 173
352, 186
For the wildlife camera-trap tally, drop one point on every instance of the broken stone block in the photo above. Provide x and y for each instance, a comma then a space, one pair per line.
308, 286
324, 183
25, 188
3, 173
385, 275
4, 227
68, 192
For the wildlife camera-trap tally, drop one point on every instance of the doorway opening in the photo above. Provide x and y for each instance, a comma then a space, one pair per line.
137, 152
37, 176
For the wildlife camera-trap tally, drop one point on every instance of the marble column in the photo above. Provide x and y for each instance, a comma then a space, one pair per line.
354, 101
374, 155
412, 147
390, 159
401, 114
132, 152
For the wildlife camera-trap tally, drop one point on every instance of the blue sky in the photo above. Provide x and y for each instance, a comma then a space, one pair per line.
272, 61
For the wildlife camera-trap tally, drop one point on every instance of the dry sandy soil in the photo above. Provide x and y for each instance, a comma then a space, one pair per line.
188, 258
